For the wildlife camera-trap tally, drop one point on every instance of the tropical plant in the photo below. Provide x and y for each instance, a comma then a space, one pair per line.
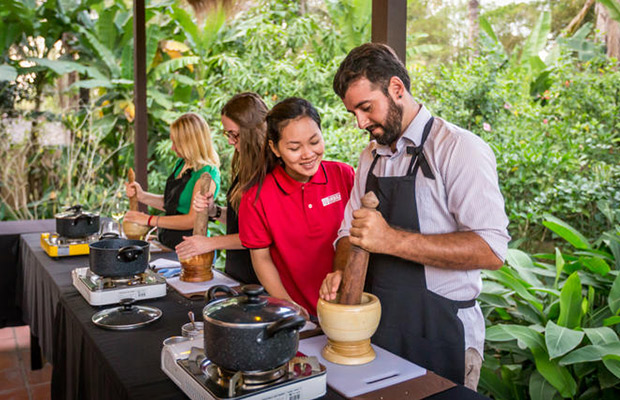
553, 319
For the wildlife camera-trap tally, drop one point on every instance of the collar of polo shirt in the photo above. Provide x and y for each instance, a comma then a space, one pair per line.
289, 185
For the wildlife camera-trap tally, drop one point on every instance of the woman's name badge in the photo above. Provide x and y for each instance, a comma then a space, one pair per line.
331, 199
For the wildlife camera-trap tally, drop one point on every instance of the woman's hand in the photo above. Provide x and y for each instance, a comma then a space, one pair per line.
137, 217
304, 313
134, 189
202, 202
330, 285
192, 246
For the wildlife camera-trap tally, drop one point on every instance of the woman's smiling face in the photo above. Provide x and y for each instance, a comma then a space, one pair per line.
301, 148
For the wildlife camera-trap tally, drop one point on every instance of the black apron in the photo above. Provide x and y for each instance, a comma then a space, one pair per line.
416, 324
238, 262
174, 187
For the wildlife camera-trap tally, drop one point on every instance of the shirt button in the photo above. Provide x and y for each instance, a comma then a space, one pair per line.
309, 205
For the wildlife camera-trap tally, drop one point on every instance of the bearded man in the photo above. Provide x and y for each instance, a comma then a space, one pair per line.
440, 219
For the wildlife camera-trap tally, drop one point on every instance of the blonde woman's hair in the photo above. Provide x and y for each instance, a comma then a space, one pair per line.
248, 110
192, 139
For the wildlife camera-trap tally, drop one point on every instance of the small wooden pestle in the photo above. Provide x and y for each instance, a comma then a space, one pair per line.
133, 200
355, 271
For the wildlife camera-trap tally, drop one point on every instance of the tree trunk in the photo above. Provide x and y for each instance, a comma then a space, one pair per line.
576, 22
610, 30
473, 11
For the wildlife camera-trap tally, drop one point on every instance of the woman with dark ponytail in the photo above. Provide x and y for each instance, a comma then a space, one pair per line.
293, 205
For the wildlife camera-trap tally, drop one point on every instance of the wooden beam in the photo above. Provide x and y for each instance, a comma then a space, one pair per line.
389, 25
139, 94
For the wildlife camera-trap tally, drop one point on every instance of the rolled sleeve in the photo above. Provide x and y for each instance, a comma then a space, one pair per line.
358, 190
473, 194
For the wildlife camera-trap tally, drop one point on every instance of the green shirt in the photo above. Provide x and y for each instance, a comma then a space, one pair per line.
185, 201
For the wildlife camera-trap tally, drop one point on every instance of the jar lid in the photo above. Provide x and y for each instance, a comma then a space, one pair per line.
126, 316
249, 308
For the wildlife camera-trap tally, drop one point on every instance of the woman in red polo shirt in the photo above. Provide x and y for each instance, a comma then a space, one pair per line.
292, 207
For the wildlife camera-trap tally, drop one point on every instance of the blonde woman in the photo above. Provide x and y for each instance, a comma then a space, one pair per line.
191, 142
243, 120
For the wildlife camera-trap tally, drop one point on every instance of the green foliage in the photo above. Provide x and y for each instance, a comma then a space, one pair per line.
571, 353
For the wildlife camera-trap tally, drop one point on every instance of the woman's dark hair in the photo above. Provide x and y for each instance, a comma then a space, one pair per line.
248, 110
376, 62
277, 118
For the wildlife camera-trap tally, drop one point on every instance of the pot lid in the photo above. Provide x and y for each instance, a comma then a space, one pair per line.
74, 212
126, 316
247, 308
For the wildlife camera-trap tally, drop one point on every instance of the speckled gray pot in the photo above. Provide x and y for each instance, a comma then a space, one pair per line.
250, 348
239, 343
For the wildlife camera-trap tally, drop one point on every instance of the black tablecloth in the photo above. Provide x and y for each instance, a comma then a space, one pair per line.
44, 280
94, 363
11, 286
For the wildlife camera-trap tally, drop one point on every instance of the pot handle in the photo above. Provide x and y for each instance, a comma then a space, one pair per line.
211, 293
89, 218
77, 209
129, 253
294, 322
109, 235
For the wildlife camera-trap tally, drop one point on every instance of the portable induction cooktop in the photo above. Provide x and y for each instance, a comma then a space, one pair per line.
185, 363
99, 291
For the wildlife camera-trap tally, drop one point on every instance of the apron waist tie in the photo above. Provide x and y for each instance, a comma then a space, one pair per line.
464, 303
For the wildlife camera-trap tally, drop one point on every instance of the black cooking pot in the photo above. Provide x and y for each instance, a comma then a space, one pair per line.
113, 257
250, 332
75, 223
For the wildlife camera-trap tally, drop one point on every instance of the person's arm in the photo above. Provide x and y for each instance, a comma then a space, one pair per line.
150, 199
268, 275
457, 250
194, 245
177, 222
201, 202
331, 283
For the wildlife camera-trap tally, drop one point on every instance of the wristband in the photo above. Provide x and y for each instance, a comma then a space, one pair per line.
157, 221
149, 221
218, 213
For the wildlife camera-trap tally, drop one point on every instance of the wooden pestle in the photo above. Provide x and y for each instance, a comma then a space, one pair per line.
355, 271
133, 200
198, 268
202, 217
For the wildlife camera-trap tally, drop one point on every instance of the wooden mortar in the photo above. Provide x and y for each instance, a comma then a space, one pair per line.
131, 229
198, 268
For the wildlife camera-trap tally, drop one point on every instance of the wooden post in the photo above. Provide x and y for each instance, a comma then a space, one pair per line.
389, 25
139, 94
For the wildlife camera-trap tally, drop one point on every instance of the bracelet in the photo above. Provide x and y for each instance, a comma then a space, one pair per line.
149, 221
218, 213
157, 221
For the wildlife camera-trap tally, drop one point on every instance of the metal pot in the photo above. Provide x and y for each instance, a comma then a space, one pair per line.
114, 258
75, 223
250, 332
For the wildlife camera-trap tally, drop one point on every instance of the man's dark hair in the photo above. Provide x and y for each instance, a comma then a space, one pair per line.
376, 62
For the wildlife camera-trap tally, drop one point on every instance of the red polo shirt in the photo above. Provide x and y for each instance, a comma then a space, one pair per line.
299, 223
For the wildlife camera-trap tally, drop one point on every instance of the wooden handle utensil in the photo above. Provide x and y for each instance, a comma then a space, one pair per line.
133, 200
202, 217
198, 268
355, 271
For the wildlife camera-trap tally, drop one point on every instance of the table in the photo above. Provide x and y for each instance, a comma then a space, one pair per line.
11, 285
94, 363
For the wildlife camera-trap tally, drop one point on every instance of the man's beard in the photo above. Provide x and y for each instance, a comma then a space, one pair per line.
392, 125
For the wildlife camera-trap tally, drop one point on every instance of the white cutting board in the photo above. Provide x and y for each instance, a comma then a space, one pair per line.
385, 370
